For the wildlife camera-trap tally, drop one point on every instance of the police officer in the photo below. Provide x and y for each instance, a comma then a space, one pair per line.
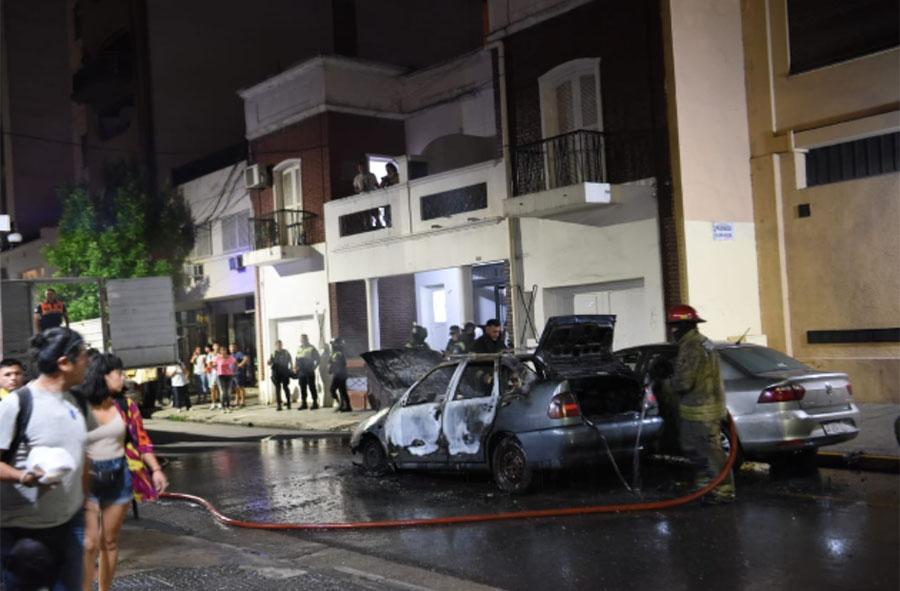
697, 383
455, 345
417, 338
468, 335
338, 370
306, 362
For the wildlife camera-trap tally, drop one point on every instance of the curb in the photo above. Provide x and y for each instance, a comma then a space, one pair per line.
859, 460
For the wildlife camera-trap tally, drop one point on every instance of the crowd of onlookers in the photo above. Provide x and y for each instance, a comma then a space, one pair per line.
75, 456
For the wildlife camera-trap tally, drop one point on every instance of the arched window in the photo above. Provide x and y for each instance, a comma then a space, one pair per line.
570, 97
288, 185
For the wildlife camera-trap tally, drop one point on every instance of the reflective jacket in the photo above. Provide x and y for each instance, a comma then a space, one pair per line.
697, 379
307, 359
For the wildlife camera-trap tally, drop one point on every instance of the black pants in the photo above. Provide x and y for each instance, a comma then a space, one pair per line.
282, 383
308, 380
339, 384
181, 397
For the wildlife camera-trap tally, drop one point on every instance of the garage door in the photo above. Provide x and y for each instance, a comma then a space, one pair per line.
288, 331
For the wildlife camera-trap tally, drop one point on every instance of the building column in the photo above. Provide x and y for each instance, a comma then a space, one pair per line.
467, 300
373, 323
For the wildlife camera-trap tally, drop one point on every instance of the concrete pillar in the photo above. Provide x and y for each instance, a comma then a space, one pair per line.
372, 308
467, 303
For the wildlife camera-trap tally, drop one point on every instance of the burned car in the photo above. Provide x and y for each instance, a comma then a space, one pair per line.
509, 414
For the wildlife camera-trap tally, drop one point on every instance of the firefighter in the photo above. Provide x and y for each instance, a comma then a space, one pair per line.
306, 362
455, 345
697, 384
417, 338
338, 370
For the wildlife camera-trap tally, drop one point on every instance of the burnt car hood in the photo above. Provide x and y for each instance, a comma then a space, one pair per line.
579, 345
398, 369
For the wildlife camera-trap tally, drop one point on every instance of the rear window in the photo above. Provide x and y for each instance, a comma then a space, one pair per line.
760, 359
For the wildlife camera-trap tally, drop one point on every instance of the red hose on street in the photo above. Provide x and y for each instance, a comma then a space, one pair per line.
507, 516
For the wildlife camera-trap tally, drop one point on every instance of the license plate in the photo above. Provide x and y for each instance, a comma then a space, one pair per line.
837, 428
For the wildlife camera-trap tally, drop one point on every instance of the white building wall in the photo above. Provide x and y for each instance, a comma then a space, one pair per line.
291, 303
212, 197
574, 266
29, 257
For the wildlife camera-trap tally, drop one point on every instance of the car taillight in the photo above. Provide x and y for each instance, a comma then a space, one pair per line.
650, 398
563, 405
849, 389
787, 393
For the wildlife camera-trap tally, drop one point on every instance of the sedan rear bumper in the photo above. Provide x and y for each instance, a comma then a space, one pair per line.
578, 444
787, 430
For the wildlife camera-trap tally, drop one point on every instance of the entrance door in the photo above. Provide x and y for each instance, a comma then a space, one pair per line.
288, 331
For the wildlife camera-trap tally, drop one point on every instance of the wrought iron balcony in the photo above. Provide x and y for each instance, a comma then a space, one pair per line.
581, 157
285, 227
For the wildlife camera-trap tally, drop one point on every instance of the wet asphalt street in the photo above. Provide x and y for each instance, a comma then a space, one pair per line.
826, 529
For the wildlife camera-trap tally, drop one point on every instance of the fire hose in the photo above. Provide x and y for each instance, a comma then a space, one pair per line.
458, 519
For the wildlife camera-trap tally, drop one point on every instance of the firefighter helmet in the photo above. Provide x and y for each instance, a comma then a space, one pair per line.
683, 313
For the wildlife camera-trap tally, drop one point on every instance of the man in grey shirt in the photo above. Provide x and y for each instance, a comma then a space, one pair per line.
42, 527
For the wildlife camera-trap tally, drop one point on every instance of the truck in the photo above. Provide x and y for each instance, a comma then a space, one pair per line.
137, 318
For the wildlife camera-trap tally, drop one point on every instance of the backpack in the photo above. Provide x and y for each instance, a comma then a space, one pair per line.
19, 437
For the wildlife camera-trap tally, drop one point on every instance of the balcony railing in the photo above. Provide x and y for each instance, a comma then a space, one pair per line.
285, 227
581, 157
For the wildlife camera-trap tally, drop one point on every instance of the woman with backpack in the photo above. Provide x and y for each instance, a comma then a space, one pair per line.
122, 466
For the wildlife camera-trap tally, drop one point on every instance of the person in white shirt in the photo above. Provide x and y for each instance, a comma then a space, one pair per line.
42, 526
364, 181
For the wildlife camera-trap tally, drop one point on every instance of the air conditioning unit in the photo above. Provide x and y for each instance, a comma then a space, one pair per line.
254, 177
236, 263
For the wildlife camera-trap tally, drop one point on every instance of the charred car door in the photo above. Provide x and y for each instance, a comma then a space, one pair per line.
413, 427
469, 413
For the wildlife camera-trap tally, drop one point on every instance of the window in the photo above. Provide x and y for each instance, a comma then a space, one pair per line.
852, 160
447, 203
629, 358
193, 274
760, 359
438, 304
236, 231
202, 241
367, 220
288, 185
570, 97
433, 388
378, 166
824, 32
477, 381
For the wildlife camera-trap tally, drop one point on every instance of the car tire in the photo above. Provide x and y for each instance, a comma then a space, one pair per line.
726, 447
374, 459
510, 467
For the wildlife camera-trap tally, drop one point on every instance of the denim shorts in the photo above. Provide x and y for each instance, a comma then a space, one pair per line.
114, 492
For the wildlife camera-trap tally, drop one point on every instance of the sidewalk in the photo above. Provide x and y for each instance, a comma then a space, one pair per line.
323, 420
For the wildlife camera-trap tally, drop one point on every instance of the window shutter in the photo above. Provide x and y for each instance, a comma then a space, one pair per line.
588, 86
243, 229
565, 108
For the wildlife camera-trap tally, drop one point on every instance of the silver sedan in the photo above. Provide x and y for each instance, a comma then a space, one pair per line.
782, 409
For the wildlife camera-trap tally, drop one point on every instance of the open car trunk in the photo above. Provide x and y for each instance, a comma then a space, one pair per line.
608, 395
578, 348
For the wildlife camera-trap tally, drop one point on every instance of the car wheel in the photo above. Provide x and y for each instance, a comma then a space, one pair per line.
725, 436
374, 459
512, 473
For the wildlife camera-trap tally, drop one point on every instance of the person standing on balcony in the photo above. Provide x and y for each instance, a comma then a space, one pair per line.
306, 363
364, 181
392, 177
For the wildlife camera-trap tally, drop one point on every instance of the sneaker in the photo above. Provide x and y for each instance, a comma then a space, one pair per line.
212, 407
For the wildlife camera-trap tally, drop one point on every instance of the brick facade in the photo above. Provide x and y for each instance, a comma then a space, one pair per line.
351, 137
397, 309
627, 37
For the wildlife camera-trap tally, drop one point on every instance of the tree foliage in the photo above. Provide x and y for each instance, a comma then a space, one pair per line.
120, 233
